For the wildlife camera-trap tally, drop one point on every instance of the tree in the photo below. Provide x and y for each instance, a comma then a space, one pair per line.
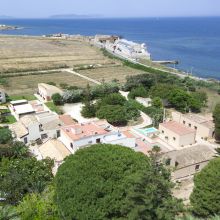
138, 92
114, 182
157, 102
5, 135
114, 114
23, 175
73, 96
57, 99
205, 199
39, 206
88, 110
216, 116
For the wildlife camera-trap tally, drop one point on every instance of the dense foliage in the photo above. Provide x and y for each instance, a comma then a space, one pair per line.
205, 199
113, 107
114, 182
216, 116
39, 206
57, 99
19, 176
5, 135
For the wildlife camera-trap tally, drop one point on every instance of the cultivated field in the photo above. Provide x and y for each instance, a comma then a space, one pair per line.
30, 53
109, 73
27, 85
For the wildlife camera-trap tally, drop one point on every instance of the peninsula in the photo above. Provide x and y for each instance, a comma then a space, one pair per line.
8, 27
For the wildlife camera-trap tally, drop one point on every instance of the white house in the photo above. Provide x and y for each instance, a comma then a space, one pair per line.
176, 134
46, 91
78, 136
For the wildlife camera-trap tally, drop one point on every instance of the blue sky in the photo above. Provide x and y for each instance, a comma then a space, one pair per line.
110, 8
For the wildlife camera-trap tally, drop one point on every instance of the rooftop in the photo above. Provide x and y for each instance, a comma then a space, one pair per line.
22, 109
177, 128
27, 120
54, 149
191, 155
22, 101
79, 131
67, 120
19, 129
51, 88
53, 124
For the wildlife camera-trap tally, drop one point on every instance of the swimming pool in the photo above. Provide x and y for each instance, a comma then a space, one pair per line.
147, 131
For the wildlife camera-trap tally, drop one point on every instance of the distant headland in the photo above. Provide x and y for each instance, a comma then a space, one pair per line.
8, 27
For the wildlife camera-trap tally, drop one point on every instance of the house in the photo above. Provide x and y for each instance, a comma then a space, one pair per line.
188, 161
102, 40
203, 125
2, 96
176, 135
55, 150
46, 91
78, 136
26, 129
147, 102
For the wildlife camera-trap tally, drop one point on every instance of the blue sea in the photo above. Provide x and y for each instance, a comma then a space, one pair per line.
195, 42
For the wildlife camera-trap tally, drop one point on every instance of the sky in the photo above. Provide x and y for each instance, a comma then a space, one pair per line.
110, 8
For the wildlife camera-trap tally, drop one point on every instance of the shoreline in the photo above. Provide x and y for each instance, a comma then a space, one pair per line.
179, 73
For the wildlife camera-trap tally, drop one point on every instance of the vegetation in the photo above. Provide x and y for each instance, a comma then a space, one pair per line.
19, 97
57, 99
53, 107
5, 135
216, 116
13, 185
114, 182
205, 199
39, 206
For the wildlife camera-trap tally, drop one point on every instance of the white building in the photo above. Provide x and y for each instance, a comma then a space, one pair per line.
78, 136
46, 91
130, 49
2, 96
147, 102
176, 134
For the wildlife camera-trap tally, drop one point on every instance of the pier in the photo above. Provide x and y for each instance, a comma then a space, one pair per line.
165, 62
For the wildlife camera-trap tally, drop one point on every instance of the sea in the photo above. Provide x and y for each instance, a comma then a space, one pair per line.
194, 42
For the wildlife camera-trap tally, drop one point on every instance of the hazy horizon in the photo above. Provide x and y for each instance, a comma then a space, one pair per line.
111, 8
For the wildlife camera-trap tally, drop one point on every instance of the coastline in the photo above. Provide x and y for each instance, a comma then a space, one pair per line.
163, 68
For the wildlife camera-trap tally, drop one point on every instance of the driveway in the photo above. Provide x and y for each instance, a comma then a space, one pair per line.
74, 110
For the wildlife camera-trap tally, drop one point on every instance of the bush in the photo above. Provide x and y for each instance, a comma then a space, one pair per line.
138, 92
103, 89
73, 96
57, 99
216, 116
114, 182
5, 136
114, 114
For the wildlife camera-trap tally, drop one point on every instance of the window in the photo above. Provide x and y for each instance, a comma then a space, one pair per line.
163, 131
190, 125
58, 133
98, 140
197, 168
195, 128
184, 122
166, 138
168, 162
25, 140
71, 145
174, 138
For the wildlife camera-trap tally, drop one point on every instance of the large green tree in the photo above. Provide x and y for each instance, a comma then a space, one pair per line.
205, 199
216, 116
113, 182
23, 175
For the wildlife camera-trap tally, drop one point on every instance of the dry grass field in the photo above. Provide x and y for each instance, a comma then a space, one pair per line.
27, 85
25, 53
109, 73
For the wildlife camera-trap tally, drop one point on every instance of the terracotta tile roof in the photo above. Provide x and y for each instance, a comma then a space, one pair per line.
128, 134
177, 128
143, 147
67, 120
79, 131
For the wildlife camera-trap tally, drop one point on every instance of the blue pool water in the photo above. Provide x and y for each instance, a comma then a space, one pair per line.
147, 131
